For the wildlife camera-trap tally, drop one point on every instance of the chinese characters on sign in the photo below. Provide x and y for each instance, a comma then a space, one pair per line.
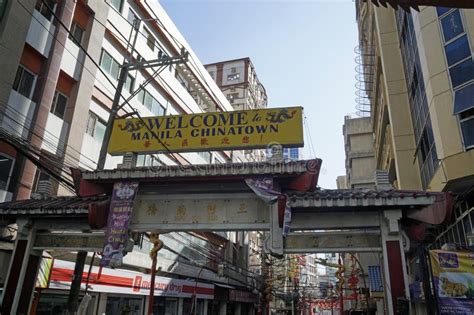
249, 129
120, 214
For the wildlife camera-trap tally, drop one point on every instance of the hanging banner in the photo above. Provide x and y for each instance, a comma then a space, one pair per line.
120, 214
250, 129
453, 274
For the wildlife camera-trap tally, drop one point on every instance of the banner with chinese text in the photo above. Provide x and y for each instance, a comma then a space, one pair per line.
250, 129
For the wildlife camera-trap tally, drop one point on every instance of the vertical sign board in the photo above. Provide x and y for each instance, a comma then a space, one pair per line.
120, 214
453, 277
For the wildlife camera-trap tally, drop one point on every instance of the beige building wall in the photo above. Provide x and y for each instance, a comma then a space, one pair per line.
395, 146
360, 161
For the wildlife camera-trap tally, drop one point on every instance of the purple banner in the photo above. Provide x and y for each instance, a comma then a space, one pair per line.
120, 213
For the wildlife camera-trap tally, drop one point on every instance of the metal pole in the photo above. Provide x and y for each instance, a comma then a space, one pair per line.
152, 285
73, 299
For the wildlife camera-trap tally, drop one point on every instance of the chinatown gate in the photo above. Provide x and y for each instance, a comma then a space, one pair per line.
220, 197
281, 198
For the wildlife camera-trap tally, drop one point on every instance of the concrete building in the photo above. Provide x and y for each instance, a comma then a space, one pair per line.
55, 97
421, 92
239, 82
358, 145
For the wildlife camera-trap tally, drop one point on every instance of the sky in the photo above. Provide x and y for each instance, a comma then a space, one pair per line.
303, 53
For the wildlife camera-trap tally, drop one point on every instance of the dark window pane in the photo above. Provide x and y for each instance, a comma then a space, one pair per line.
457, 50
452, 25
462, 73
26, 84
467, 128
5, 168
59, 105
442, 10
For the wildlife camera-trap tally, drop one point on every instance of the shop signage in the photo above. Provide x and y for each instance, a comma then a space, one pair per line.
70, 241
453, 277
128, 282
120, 213
242, 296
251, 129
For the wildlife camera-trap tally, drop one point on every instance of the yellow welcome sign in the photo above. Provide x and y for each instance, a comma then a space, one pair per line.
251, 129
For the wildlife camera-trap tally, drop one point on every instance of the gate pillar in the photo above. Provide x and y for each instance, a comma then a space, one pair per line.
394, 263
22, 272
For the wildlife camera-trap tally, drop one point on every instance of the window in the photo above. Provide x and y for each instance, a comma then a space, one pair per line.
233, 70
426, 148
42, 7
294, 154
150, 40
109, 64
462, 73
466, 120
95, 127
76, 33
232, 96
6, 168
151, 103
212, 74
457, 50
59, 105
233, 77
131, 16
129, 83
24, 82
452, 25
117, 4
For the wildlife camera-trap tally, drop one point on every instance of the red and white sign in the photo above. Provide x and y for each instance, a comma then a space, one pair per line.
127, 282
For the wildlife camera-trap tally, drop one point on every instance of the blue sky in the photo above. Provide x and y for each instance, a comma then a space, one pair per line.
303, 52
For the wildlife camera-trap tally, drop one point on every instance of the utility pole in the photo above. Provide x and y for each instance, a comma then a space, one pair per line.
162, 61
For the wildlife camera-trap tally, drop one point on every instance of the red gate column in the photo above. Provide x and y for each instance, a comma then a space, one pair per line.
394, 264
22, 272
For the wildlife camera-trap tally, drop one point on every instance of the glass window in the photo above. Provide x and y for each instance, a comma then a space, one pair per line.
42, 7
6, 166
457, 50
24, 82
462, 73
109, 64
58, 107
467, 128
442, 10
123, 305
129, 83
452, 25
95, 127
150, 40
76, 33
54, 304
117, 4
131, 16
151, 103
